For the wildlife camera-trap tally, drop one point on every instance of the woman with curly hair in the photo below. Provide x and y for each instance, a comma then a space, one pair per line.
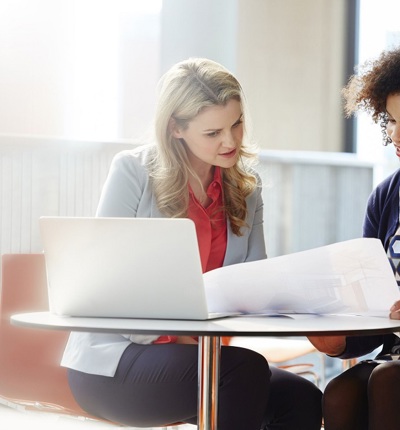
367, 395
198, 166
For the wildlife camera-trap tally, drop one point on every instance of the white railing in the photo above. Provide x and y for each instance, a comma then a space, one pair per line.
310, 199
47, 177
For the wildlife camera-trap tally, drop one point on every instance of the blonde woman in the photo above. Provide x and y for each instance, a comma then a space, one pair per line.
200, 167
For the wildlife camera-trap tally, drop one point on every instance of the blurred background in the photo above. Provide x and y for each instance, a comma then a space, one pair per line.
78, 84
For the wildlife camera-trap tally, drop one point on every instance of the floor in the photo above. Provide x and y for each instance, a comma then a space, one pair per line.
19, 419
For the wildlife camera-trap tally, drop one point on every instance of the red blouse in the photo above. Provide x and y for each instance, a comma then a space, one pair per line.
211, 230
211, 225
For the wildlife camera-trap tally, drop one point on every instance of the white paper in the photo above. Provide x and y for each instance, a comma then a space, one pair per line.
351, 277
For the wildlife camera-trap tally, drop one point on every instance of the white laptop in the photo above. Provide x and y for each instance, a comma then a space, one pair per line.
124, 267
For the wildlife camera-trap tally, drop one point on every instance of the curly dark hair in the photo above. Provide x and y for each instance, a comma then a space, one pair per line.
368, 90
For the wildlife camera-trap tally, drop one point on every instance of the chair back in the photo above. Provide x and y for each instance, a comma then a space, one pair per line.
30, 373
29, 358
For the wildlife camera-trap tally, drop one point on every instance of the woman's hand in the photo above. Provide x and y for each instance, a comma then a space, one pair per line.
395, 310
331, 345
188, 340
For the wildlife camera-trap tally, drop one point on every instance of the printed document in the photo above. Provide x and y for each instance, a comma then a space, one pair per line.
350, 277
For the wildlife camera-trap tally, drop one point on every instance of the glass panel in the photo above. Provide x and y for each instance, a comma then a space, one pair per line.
82, 69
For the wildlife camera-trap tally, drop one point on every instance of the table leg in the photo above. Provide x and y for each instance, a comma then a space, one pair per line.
209, 357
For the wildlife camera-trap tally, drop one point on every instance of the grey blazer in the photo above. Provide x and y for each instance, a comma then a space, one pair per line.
127, 192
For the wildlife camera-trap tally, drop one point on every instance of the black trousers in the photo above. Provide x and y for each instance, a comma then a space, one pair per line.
157, 385
364, 397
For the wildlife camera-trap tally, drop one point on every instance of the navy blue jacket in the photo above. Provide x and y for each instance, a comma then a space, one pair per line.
381, 221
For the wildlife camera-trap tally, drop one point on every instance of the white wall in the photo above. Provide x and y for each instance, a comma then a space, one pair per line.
291, 62
288, 54
87, 69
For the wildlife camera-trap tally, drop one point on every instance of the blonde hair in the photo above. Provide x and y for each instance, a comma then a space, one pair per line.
186, 89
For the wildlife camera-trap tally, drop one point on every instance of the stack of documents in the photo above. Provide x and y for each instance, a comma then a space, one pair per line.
351, 277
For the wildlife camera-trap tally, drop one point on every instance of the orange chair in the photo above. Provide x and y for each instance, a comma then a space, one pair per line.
30, 374
29, 359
